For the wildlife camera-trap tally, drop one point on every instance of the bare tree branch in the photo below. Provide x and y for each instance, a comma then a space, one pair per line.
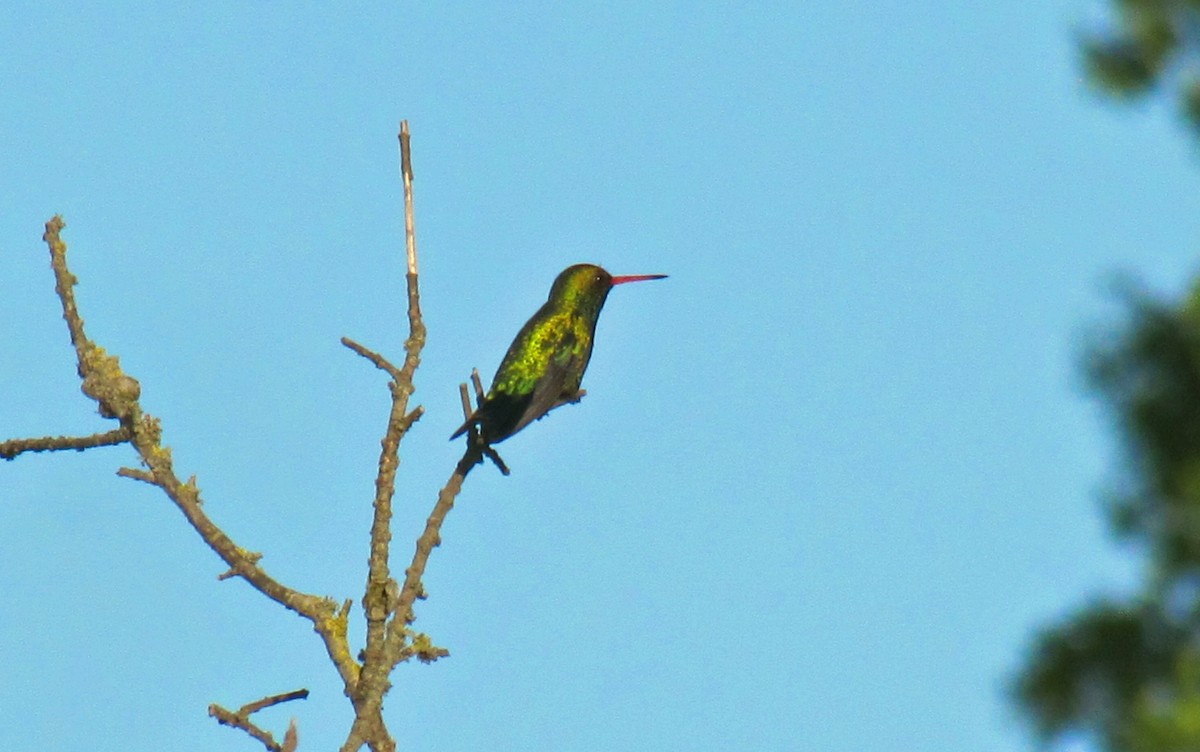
117, 395
388, 605
241, 719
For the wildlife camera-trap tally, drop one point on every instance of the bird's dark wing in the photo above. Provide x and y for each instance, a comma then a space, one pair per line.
545, 396
566, 365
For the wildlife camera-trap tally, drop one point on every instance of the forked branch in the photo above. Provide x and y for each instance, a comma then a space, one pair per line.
117, 395
240, 718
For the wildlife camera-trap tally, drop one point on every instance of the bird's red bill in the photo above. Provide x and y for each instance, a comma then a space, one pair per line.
636, 278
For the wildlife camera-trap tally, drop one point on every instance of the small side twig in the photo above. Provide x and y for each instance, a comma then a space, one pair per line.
291, 737
240, 718
465, 395
11, 448
478, 383
380, 362
134, 473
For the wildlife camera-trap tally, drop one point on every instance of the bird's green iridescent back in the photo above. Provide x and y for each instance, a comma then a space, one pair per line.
556, 340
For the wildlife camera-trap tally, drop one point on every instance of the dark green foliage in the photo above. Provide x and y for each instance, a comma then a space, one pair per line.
1152, 45
1090, 671
1191, 102
1151, 380
1118, 67
1128, 674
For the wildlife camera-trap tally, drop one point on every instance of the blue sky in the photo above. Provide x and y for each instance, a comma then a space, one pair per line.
827, 479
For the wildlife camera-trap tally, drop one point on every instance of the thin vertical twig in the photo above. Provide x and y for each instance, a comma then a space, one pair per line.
382, 591
406, 176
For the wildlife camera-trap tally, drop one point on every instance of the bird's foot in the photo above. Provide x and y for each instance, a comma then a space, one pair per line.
476, 440
492, 455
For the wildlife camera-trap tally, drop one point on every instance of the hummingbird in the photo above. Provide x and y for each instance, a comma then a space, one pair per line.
544, 365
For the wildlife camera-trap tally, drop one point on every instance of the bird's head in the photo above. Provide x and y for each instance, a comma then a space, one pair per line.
590, 284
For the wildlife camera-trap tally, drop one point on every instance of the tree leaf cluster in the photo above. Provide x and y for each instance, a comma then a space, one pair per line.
1151, 45
1127, 672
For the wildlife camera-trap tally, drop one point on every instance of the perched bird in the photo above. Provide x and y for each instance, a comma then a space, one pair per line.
545, 363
